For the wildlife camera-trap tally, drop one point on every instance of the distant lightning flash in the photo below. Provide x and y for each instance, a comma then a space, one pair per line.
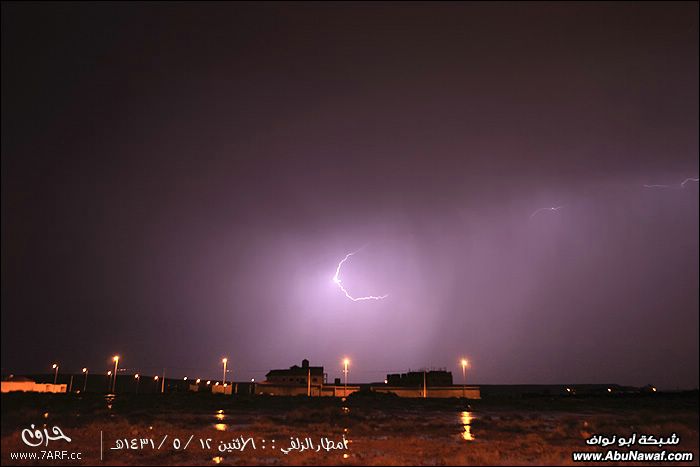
336, 279
554, 208
682, 184
689, 180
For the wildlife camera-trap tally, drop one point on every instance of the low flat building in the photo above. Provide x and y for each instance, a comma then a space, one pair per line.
222, 389
416, 378
22, 384
439, 392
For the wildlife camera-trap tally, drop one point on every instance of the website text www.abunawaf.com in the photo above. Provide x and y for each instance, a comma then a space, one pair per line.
633, 456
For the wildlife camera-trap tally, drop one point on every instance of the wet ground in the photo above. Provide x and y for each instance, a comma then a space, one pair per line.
375, 430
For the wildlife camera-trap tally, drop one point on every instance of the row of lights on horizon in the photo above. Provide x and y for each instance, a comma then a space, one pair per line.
346, 364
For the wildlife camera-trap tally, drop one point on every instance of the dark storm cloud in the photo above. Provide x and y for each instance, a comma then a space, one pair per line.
179, 182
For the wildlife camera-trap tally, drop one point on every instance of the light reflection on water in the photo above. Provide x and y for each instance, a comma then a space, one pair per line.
466, 419
217, 459
220, 416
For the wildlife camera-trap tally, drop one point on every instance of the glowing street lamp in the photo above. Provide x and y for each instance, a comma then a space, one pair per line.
224, 361
85, 370
346, 362
116, 367
199, 380
137, 377
465, 362
55, 375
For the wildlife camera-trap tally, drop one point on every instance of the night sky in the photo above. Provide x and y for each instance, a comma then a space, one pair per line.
180, 181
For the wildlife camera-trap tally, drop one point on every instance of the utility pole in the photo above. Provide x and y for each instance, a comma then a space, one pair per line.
116, 368
308, 382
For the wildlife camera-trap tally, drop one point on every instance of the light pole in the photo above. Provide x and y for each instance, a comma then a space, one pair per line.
116, 368
155, 378
223, 380
137, 377
465, 362
55, 374
85, 370
346, 362
109, 380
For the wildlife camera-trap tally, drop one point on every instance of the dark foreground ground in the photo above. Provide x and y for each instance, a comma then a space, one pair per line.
192, 429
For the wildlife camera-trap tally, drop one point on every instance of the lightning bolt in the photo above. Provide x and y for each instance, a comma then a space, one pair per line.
554, 208
682, 184
337, 280
689, 180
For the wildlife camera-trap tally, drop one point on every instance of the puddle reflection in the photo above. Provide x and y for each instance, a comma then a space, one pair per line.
220, 416
466, 420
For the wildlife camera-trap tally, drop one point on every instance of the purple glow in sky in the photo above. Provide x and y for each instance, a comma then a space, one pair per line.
180, 181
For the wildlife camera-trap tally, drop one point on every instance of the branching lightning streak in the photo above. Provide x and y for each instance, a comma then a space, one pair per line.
554, 208
337, 280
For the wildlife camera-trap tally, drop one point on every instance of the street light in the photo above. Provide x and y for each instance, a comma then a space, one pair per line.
116, 367
85, 370
224, 361
55, 375
137, 377
465, 362
346, 362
